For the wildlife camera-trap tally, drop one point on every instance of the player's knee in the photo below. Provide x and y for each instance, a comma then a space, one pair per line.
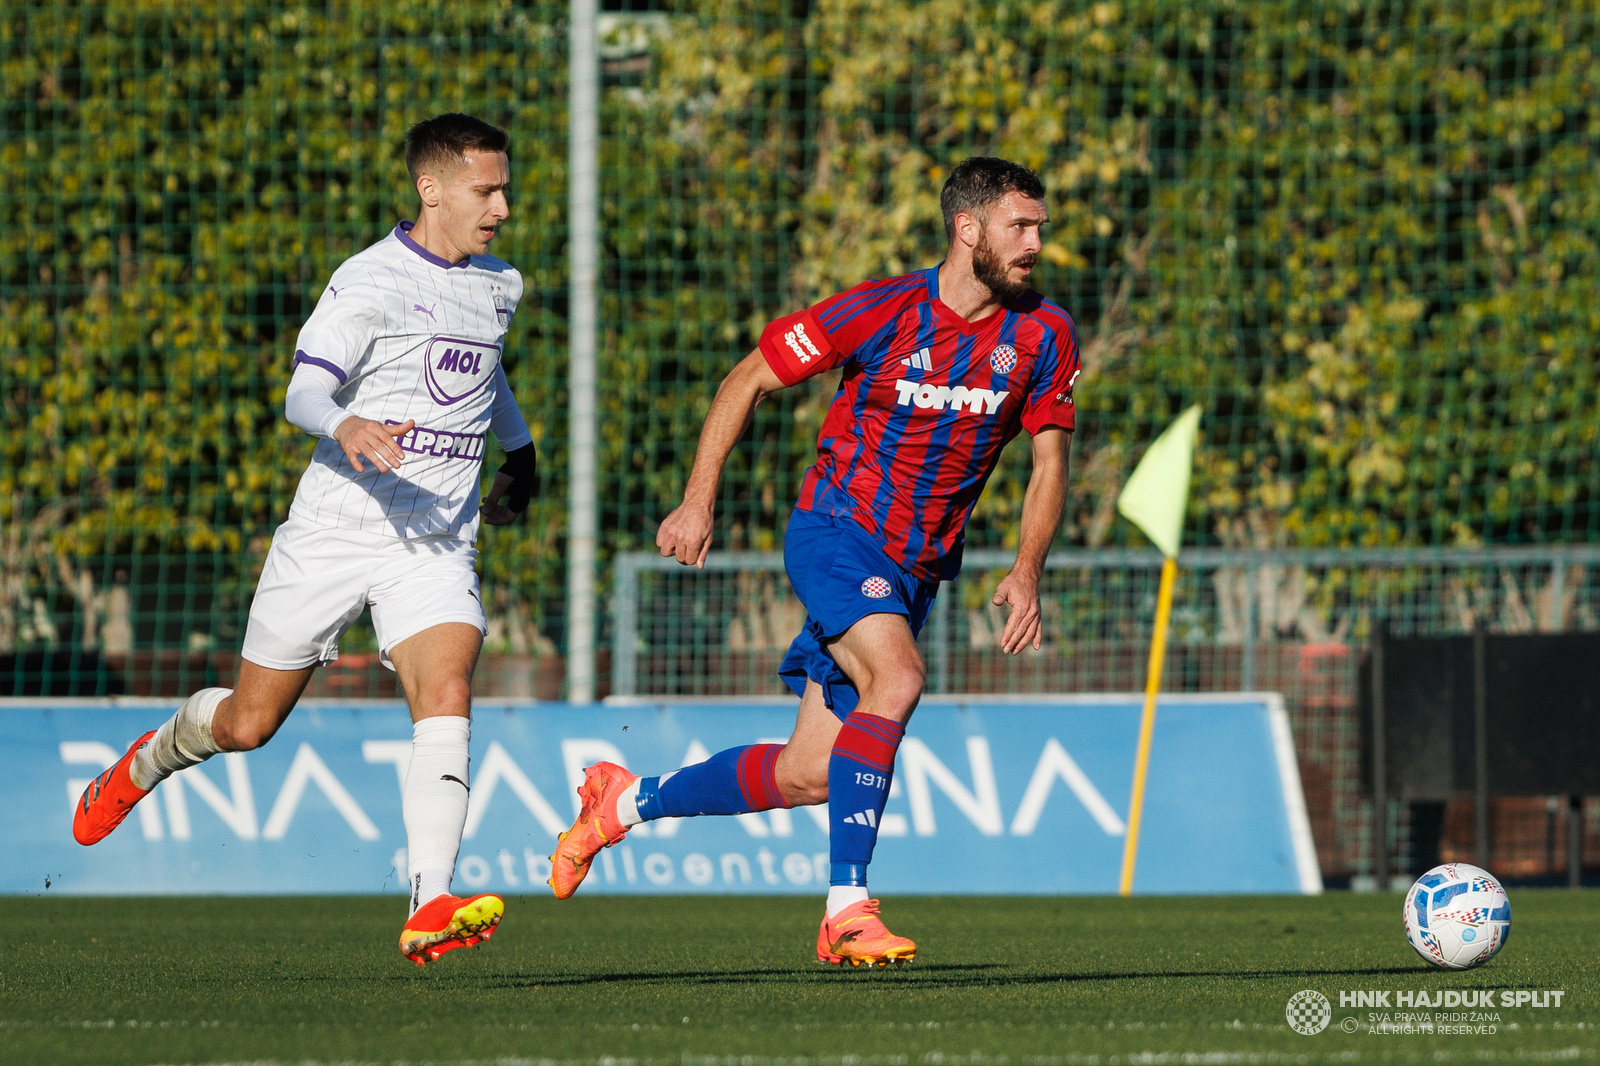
243, 730
799, 785
804, 791
899, 687
449, 696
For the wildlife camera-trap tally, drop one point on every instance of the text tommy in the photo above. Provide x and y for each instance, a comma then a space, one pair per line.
938, 397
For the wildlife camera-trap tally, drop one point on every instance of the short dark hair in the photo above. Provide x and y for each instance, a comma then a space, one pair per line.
443, 139
978, 182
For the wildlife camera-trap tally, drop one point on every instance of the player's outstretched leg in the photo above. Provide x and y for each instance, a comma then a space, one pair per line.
859, 771
183, 741
434, 807
435, 668
878, 654
735, 781
213, 720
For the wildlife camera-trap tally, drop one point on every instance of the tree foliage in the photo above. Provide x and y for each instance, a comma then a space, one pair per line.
1362, 235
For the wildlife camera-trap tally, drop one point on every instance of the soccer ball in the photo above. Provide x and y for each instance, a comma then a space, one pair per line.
1457, 916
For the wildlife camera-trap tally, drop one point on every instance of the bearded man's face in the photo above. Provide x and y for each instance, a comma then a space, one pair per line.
1008, 249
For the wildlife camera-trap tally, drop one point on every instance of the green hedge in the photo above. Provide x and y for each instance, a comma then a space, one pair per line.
1362, 235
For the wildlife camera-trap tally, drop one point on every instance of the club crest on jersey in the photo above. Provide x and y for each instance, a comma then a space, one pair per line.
502, 310
875, 588
456, 368
1003, 359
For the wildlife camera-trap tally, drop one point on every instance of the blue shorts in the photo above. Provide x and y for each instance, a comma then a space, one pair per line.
841, 575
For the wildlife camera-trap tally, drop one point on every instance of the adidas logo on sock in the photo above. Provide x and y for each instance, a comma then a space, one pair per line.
864, 818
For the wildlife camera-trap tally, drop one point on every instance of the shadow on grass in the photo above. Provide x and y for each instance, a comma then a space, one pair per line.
925, 975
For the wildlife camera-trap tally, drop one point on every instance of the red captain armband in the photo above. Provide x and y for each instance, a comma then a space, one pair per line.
796, 347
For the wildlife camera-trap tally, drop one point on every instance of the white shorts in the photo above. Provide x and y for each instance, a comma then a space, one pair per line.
317, 580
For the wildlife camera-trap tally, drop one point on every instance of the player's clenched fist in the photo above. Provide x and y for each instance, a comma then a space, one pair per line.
380, 443
686, 534
515, 483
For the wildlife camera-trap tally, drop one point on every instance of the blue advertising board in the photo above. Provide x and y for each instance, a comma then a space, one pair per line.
1024, 795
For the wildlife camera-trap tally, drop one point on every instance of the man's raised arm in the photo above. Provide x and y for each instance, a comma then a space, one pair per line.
1042, 507
686, 532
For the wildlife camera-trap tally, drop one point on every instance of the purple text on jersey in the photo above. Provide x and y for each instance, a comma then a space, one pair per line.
425, 441
462, 360
455, 368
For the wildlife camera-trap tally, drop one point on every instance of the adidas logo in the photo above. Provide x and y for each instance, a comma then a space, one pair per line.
866, 818
921, 359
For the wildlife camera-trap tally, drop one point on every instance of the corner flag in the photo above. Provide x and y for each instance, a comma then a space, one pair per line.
1157, 490
1154, 499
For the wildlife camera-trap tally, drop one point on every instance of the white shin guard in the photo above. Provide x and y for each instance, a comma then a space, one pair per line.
434, 803
184, 740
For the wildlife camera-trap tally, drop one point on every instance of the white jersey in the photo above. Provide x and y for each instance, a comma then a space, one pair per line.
408, 335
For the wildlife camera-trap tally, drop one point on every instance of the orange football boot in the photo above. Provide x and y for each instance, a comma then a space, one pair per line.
445, 923
108, 799
597, 827
857, 935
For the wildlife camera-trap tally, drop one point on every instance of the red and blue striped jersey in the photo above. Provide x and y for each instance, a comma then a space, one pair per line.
927, 402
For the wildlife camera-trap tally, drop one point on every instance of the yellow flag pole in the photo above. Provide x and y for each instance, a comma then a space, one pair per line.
1147, 723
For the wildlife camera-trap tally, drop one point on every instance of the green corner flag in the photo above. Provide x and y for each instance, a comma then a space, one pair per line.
1157, 491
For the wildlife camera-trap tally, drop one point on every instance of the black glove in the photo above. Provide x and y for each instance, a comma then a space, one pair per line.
522, 466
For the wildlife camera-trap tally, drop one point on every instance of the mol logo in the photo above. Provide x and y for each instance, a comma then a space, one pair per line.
456, 368
958, 397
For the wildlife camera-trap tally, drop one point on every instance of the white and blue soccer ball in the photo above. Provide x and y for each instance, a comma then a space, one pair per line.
1457, 916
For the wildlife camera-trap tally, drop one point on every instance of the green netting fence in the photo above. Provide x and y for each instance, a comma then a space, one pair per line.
1361, 235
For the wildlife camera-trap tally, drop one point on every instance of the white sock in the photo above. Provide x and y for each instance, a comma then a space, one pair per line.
184, 740
426, 884
434, 804
628, 804
841, 896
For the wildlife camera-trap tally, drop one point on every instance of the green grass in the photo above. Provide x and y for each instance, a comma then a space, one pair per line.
1083, 982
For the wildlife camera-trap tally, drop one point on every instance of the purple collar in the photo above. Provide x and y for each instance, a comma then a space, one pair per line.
403, 231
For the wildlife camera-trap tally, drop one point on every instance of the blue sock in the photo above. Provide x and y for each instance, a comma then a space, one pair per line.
730, 782
859, 771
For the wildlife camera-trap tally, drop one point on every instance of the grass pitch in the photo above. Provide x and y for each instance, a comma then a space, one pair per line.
734, 982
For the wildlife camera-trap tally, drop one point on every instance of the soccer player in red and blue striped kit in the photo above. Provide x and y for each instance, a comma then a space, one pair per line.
942, 368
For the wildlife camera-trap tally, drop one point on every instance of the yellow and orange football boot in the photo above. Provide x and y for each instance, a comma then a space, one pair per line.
597, 827
858, 936
108, 799
445, 923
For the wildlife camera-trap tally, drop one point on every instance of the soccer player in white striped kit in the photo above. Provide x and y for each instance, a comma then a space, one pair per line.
398, 373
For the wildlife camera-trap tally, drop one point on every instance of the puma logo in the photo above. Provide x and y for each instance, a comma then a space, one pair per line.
425, 310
